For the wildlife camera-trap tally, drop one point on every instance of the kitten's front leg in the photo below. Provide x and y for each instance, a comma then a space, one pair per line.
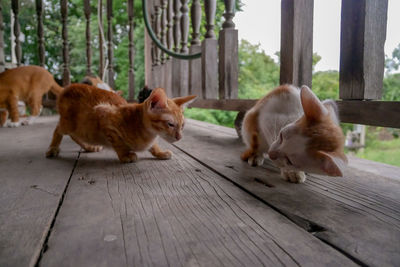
293, 176
156, 151
124, 153
252, 157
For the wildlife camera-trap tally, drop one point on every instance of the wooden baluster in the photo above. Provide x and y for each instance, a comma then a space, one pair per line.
362, 57
195, 47
87, 10
170, 30
39, 12
209, 58
110, 44
131, 75
101, 53
228, 55
157, 29
64, 22
210, 7
296, 42
177, 18
2, 59
153, 46
17, 31
163, 33
184, 26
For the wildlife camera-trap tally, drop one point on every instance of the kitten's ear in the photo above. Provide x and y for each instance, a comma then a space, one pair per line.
313, 108
184, 101
332, 164
158, 99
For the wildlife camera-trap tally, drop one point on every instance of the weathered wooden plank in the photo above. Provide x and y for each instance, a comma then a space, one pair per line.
362, 40
171, 213
358, 214
228, 67
31, 189
180, 77
101, 31
296, 42
195, 87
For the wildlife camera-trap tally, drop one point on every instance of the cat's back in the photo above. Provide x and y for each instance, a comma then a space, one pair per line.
87, 96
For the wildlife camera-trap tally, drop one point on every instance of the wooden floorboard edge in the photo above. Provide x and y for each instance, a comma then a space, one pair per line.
301, 222
35, 261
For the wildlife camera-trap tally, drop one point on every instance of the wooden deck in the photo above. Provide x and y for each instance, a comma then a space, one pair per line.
204, 207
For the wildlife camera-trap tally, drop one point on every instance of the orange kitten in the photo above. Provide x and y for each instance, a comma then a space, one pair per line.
298, 131
27, 84
94, 118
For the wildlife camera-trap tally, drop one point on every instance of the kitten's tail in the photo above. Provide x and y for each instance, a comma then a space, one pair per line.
56, 89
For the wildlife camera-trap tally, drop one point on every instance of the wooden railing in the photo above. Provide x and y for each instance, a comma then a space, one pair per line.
363, 34
214, 76
65, 51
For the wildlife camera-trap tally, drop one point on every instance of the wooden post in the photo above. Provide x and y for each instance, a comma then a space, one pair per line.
17, 31
86, 4
195, 47
39, 12
209, 59
176, 64
228, 55
110, 50
177, 18
131, 73
362, 58
101, 29
296, 42
2, 59
148, 49
64, 22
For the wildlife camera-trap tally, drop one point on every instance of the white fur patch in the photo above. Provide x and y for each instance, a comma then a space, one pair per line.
104, 86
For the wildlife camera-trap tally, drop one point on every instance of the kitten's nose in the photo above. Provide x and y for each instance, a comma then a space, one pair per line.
273, 155
178, 136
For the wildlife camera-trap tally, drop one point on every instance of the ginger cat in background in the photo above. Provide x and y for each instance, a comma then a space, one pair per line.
95, 118
27, 84
97, 82
298, 131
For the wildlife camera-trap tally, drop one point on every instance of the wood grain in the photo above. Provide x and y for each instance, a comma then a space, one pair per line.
172, 213
358, 214
31, 188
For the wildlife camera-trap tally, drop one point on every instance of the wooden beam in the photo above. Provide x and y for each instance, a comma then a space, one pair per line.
17, 31
362, 57
296, 42
131, 47
86, 5
110, 49
377, 113
64, 21
40, 33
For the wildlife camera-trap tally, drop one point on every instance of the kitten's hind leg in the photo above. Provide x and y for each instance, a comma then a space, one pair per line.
54, 148
14, 112
293, 176
86, 147
156, 151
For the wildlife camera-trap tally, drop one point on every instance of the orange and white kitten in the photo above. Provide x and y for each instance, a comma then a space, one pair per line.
27, 84
93, 118
298, 131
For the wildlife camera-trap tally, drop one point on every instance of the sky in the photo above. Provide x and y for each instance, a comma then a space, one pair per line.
260, 22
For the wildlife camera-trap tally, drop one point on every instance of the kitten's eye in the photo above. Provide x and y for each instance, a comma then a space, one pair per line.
280, 138
170, 124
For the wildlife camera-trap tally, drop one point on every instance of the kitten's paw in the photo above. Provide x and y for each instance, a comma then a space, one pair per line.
14, 124
164, 155
93, 148
128, 158
52, 152
293, 176
255, 160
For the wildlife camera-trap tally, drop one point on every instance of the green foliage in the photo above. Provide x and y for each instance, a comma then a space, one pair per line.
225, 118
325, 84
258, 72
391, 87
382, 151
